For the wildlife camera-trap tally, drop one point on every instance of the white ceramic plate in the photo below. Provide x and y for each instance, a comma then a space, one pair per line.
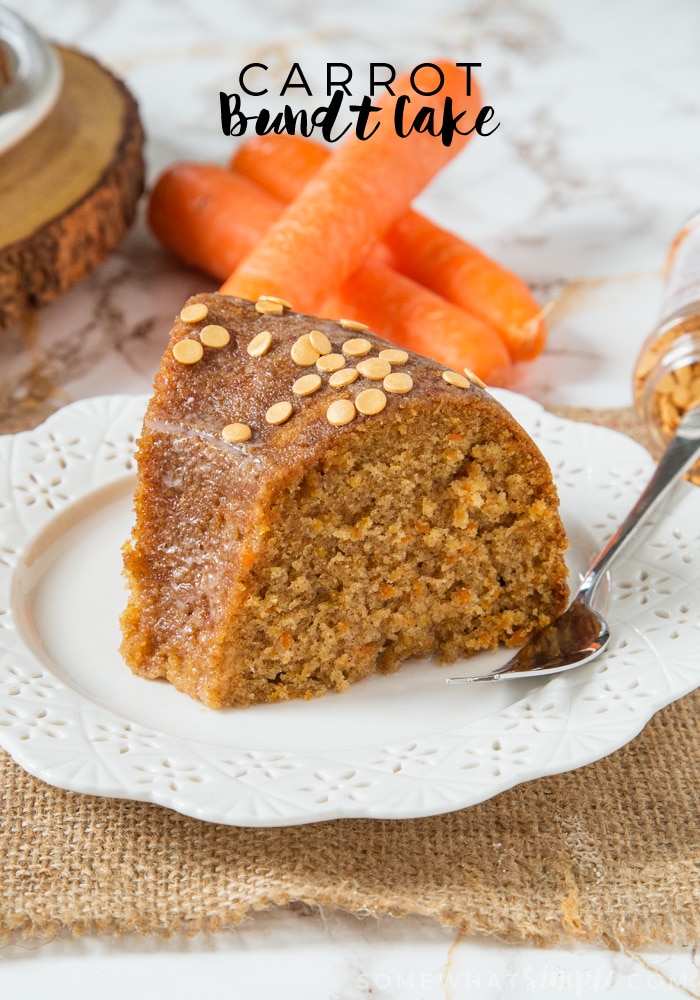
36, 79
402, 746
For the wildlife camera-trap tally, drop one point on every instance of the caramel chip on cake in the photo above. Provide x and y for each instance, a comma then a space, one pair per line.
214, 335
320, 342
194, 313
343, 377
303, 351
341, 412
279, 413
454, 378
374, 368
235, 433
370, 402
399, 382
357, 347
260, 344
188, 352
307, 384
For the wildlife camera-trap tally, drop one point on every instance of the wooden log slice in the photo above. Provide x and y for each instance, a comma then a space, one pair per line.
68, 190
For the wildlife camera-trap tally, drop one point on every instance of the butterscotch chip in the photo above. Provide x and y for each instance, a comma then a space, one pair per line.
214, 335
353, 324
330, 362
260, 344
307, 384
370, 401
320, 342
357, 347
340, 412
394, 356
343, 377
668, 414
194, 313
681, 395
188, 352
276, 300
303, 352
374, 368
234, 433
279, 413
398, 382
684, 375
269, 307
454, 378
474, 378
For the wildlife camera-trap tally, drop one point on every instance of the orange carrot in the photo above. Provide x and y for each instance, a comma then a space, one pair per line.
466, 276
352, 200
211, 218
281, 164
432, 256
421, 321
208, 216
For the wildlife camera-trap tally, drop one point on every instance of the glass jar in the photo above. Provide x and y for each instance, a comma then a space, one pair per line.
667, 371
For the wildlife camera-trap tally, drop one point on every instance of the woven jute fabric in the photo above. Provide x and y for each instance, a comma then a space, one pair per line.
607, 853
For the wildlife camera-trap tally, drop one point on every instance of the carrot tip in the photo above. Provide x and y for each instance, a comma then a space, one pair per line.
546, 310
532, 334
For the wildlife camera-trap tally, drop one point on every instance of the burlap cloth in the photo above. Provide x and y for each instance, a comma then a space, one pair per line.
607, 853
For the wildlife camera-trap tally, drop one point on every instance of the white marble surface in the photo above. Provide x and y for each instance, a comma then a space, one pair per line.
595, 165
300, 955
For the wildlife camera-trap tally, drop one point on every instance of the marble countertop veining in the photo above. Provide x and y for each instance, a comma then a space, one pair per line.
594, 167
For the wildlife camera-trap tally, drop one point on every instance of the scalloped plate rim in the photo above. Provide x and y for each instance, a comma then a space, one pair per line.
33, 758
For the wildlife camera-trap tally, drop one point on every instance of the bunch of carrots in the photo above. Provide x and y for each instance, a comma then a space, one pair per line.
334, 233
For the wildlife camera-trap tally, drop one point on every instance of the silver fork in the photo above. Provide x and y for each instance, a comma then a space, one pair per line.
581, 633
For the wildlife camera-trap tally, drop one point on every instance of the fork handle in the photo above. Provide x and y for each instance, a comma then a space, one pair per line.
680, 453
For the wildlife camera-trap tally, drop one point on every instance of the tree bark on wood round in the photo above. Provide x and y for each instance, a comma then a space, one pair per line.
68, 190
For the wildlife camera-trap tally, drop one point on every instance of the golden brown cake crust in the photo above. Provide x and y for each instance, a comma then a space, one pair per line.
232, 604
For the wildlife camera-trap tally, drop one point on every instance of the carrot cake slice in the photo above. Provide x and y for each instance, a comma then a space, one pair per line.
314, 505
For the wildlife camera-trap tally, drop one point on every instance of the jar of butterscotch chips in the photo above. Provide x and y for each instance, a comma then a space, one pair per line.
667, 372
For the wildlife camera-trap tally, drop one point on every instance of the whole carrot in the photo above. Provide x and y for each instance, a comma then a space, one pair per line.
421, 321
466, 276
351, 201
432, 256
210, 218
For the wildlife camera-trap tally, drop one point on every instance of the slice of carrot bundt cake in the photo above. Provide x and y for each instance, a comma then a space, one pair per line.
314, 505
